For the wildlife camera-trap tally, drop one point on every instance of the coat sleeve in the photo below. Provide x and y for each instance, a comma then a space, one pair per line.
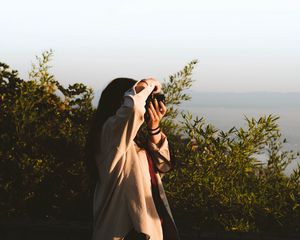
120, 129
161, 155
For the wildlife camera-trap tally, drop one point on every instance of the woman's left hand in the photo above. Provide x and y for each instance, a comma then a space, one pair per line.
156, 113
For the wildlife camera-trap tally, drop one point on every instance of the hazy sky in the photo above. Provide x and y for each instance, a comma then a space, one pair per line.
241, 45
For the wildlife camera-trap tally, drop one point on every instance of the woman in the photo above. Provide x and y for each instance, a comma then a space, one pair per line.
129, 199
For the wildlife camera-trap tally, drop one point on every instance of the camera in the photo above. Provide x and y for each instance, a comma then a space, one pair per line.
159, 97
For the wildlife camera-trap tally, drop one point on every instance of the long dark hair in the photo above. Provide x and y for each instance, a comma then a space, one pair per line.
110, 101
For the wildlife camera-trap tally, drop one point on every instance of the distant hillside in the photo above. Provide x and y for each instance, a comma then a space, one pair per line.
249, 99
227, 99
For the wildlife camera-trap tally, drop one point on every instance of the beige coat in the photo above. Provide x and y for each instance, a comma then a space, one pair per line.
122, 197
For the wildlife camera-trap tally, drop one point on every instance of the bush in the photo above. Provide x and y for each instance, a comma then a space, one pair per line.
42, 138
219, 183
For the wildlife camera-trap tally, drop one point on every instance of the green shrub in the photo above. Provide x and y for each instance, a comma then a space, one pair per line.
220, 183
42, 138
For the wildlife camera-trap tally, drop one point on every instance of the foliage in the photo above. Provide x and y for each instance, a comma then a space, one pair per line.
42, 138
222, 182
219, 181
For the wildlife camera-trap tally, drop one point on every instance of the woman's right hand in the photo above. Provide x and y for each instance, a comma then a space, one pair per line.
153, 81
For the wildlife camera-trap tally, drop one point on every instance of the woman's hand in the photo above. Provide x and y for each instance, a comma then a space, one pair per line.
153, 81
156, 113
148, 81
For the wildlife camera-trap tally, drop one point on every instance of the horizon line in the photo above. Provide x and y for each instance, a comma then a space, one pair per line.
243, 92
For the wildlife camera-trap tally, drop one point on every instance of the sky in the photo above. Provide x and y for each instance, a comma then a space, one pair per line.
241, 46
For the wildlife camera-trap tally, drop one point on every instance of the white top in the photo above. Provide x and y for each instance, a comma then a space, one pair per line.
123, 198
